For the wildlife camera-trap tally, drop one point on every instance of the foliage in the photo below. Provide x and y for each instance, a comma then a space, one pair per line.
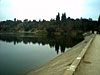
58, 19
63, 18
99, 20
54, 26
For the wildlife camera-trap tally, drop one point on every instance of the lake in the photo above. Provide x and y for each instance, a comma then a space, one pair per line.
20, 53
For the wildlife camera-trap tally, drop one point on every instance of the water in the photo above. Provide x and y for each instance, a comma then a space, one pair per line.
20, 53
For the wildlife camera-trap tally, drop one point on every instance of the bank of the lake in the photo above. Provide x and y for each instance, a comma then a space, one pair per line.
59, 64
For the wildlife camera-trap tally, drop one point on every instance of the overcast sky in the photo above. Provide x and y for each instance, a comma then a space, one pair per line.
47, 9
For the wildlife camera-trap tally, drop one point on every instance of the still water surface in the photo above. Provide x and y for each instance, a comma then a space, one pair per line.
22, 53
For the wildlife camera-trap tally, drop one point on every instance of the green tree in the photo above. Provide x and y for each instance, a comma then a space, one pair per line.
25, 20
98, 24
99, 20
14, 19
63, 17
50, 31
58, 18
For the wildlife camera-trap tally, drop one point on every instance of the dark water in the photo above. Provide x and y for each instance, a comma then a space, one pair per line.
20, 53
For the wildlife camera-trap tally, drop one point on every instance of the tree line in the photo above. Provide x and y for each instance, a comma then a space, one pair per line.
59, 26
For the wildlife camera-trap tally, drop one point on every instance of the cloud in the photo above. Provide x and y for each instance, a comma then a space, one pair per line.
47, 9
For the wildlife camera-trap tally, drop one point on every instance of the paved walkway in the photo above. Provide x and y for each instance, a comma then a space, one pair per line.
90, 65
58, 65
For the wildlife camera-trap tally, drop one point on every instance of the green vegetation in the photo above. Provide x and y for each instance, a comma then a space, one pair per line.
60, 26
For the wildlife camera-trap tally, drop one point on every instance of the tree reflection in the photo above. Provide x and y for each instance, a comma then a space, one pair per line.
58, 42
57, 48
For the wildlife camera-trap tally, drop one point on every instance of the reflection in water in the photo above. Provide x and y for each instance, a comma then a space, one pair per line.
59, 42
20, 53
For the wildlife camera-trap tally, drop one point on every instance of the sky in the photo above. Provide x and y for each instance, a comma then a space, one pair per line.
47, 9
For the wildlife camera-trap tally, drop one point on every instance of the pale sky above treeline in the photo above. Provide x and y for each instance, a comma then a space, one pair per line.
47, 9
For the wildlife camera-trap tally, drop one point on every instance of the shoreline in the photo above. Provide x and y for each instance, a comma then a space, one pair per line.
59, 64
